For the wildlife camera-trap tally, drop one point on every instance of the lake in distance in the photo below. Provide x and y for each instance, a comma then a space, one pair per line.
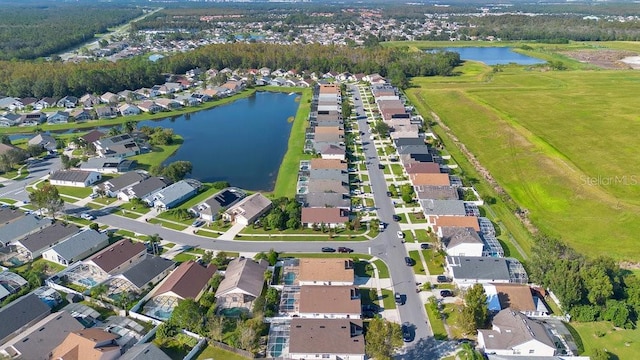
494, 55
242, 142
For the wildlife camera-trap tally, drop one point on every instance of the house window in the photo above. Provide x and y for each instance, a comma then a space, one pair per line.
234, 299
532, 351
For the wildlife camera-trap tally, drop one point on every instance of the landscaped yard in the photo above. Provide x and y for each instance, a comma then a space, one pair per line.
452, 316
74, 192
417, 218
422, 235
182, 257
212, 352
434, 260
167, 224
383, 270
418, 267
388, 299
621, 343
159, 154
437, 325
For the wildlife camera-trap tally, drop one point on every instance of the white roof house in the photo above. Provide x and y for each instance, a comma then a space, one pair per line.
248, 210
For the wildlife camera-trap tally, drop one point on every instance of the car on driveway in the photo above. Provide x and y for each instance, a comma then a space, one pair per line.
343, 249
442, 279
371, 307
399, 298
406, 332
328, 249
389, 193
400, 234
408, 261
197, 223
424, 246
446, 293
396, 217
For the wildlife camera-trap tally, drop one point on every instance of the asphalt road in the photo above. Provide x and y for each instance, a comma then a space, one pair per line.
16, 189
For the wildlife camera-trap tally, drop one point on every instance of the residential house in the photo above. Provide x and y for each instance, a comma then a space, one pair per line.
443, 207
142, 189
327, 185
329, 302
11, 103
518, 297
210, 209
113, 186
173, 195
76, 247
436, 192
39, 340
68, 102
33, 245
168, 104
33, 118
326, 271
4, 148
173, 87
319, 163
327, 339
122, 145
327, 199
463, 221
47, 141
44, 103
187, 281
129, 95
58, 117
128, 109
119, 256
21, 314
233, 86
278, 81
242, 284
75, 178
108, 165
460, 241
93, 343
151, 270
81, 115
9, 119
17, 228
467, 271
89, 100
92, 136
149, 106
147, 351
430, 179
330, 217
110, 98
512, 333
333, 151
11, 283
107, 112
248, 210
187, 100
422, 168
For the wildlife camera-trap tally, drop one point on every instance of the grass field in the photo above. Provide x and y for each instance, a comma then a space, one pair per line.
558, 142
623, 344
158, 155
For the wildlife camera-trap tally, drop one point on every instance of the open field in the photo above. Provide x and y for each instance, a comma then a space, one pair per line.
623, 344
559, 143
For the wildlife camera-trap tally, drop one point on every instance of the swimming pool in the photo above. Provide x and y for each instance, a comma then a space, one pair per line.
289, 278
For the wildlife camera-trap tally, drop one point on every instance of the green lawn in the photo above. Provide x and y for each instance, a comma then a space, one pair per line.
452, 316
167, 224
435, 261
417, 218
422, 236
8, 201
388, 300
158, 155
137, 208
288, 171
436, 323
418, 268
182, 257
212, 352
516, 123
72, 191
397, 169
408, 236
623, 344
383, 270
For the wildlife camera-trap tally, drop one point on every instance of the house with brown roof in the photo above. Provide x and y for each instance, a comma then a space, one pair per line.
119, 256
243, 283
327, 185
429, 179
92, 136
88, 344
248, 210
331, 217
319, 163
463, 221
329, 302
518, 297
326, 339
422, 168
512, 333
333, 151
326, 271
187, 281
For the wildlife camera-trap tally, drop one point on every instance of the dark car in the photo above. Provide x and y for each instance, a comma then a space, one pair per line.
424, 246
380, 166
406, 332
399, 298
389, 193
408, 261
442, 279
343, 249
396, 217
371, 307
370, 314
328, 249
446, 293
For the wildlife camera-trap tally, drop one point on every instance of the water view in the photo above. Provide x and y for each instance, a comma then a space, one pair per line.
494, 55
242, 142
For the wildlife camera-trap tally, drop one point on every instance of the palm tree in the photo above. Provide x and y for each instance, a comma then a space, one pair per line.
129, 126
154, 241
468, 353
115, 130
98, 291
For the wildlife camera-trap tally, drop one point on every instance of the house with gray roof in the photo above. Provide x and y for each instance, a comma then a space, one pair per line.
148, 271
210, 208
108, 165
76, 247
443, 207
74, 178
113, 186
460, 241
21, 314
329, 174
248, 210
9, 119
33, 245
8, 215
326, 338
413, 149
469, 270
512, 333
146, 351
327, 199
436, 192
242, 284
21, 227
122, 145
409, 141
143, 188
58, 117
39, 340
47, 141
173, 195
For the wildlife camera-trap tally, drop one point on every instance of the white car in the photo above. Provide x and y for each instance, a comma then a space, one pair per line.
87, 216
400, 235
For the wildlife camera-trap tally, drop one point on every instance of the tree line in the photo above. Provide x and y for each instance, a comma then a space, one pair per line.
40, 78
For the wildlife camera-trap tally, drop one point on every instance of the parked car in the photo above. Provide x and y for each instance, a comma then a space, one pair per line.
399, 298
406, 332
94, 195
396, 217
380, 166
382, 226
343, 249
408, 261
328, 249
400, 234
446, 293
442, 279
371, 307
389, 194
370, 314
424, 246
87, 216
197, 223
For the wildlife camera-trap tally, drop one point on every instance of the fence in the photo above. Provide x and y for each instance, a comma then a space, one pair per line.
226, 347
